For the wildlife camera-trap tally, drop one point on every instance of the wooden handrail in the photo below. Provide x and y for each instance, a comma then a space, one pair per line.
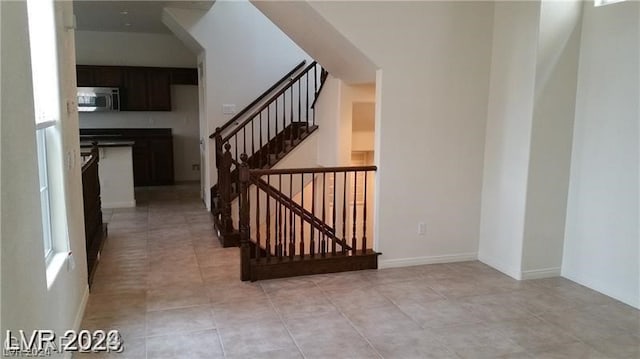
93, 157
286, 171
268, 102
307, 216
260, 98
288, 202
323, 79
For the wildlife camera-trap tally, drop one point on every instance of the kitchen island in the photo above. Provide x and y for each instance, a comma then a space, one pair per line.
115, 172
152, 151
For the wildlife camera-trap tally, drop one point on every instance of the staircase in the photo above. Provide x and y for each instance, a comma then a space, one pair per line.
263, 210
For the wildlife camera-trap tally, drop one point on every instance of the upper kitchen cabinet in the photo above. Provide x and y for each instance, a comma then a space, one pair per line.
84, 76
146, 89
159, 90
141, 88
100, 76
184, 76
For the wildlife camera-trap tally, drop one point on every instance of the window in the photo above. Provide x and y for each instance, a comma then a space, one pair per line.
45, 202
46, 101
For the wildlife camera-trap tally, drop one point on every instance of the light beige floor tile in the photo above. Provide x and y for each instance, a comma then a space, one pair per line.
303, 304
176, 296
234, 290
115, 304
194, 345
358, 298
380, 320
477, 341
130, 326
583, 324
119, 283
220, 275
539, 300
345, 341
440, 314
458, 287
189, 276
258, 337
623, 346
414, 291
409, 344
172, 321
494, 307
392, 275
291, 353
569, 351
132, 349
341, 281
245, 311
532, 333
286, 286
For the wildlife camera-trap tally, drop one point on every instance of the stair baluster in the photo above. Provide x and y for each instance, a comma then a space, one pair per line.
245, 254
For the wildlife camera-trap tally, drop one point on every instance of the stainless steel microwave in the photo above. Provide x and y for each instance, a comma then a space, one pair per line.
98, 99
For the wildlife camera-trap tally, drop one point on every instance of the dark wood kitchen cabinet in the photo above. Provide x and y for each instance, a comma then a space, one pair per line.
152, 152
153, 161
134, 93
158, 90
147, 89
84, 76
141, 88
99, 76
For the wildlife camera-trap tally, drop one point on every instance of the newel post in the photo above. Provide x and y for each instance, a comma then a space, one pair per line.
245, 253
218, 143
224, 189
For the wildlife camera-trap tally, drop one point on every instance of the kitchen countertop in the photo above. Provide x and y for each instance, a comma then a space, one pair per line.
109, 143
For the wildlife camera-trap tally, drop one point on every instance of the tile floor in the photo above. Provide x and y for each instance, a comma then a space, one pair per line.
173, 292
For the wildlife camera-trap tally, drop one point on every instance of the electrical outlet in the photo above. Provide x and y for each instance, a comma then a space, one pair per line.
422, 228
195, 167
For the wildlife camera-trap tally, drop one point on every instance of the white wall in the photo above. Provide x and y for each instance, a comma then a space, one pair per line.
509, 120
320, 39
155, 50
328, 118
26, 301
551, 134
182, 120
132, 49
1, 114
601, 242
245, 54
431, 120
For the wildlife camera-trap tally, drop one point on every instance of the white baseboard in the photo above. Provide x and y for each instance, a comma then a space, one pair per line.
77, 322
127, 204
83, 305
541, 273
498, 265
447, 258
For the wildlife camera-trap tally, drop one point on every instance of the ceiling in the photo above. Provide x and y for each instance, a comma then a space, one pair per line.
128, 16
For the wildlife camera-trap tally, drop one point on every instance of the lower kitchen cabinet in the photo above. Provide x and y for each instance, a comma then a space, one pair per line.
152, 152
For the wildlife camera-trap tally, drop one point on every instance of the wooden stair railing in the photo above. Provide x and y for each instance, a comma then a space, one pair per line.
288, 241
266, 131
259, 99
287, 201
94, 229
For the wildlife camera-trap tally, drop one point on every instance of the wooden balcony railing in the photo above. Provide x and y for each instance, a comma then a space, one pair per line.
290, 216
94, 228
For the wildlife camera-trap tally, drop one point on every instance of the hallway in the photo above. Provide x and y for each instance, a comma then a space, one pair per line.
173, 292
